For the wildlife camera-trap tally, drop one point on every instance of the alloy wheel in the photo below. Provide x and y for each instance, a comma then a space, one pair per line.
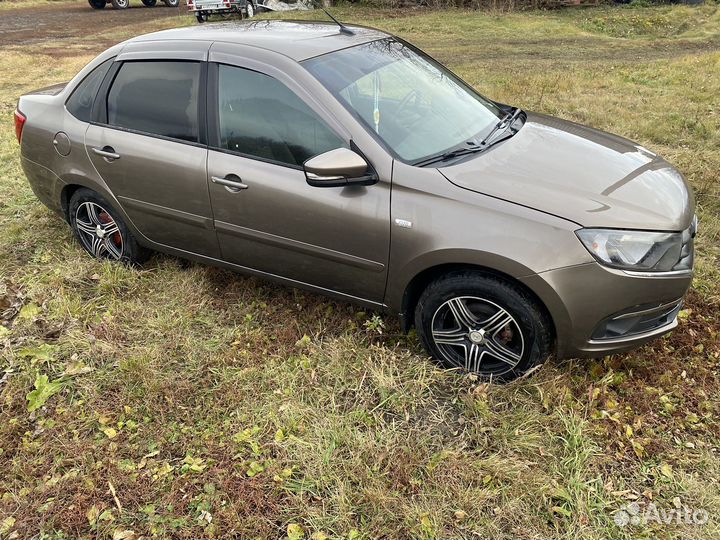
478, 335
98, 231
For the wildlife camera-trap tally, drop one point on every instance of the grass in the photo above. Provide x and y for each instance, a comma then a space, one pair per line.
187, 401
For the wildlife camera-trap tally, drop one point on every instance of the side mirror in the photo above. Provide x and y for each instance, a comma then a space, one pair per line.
339, 167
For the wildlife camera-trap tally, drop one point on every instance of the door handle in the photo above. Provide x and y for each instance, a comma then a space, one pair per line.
107, 152
232, 186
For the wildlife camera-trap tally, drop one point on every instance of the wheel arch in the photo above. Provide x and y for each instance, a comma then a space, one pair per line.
422, 279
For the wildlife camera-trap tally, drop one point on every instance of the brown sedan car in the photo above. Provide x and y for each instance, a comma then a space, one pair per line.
346, 161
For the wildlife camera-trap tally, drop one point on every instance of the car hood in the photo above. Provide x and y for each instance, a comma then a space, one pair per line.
593, 178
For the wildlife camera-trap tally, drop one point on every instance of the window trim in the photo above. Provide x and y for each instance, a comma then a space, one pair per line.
77, 86
213, 115
100, 116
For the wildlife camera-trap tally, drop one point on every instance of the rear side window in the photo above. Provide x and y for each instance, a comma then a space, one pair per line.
261, 117
81, 101
159, 98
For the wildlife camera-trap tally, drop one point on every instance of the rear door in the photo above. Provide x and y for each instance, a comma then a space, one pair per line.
263, 127
148, 142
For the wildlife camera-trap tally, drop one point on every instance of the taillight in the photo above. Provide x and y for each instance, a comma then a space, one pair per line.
190, 3
19, 124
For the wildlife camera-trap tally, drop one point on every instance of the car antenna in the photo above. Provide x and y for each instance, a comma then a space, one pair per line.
344, 29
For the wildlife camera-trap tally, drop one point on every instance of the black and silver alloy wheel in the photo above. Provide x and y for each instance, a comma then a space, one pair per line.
477, 335
98, 232
483, 324
101, 230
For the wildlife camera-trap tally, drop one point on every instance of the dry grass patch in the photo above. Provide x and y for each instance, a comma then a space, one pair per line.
187, 401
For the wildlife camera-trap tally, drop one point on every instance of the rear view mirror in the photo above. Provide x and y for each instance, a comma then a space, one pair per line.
339, 167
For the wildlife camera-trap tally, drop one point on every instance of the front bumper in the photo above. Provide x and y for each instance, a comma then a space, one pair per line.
598, 310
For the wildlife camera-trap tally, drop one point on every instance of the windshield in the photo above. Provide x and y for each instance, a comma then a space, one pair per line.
417, 107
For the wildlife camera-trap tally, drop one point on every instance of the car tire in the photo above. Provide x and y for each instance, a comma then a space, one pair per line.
172, 3
121, 4
250, 9
483, 324
201, 17
149, 3
101, 231
97, 4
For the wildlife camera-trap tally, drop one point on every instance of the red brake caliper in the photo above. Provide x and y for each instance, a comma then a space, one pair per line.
105, 218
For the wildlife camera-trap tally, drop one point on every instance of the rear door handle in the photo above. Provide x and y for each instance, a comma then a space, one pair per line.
230, 184
108, 152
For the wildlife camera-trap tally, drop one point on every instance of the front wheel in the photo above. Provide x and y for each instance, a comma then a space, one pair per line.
101, 231
97, 4
172, 3
250, 9
484, 325
121, 4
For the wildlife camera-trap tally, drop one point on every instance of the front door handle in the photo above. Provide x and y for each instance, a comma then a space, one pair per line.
230, 183
107, 152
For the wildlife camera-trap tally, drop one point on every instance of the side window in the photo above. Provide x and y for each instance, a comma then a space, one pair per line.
80, 102
160, 98
261, 117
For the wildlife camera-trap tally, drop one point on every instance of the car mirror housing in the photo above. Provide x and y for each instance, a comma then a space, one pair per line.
339, 167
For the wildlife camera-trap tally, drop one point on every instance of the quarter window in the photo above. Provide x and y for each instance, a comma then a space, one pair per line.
261, 117
160, 98
81, 101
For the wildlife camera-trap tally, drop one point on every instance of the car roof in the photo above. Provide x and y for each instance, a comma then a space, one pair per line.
298, 40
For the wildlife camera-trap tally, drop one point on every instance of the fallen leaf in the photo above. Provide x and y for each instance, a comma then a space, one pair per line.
44, 389
666, 471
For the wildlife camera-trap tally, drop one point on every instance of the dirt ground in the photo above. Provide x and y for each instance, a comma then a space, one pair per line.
42, 25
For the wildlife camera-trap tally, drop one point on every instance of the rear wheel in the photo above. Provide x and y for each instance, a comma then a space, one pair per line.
201, 16
172, 3
101, 231
97, 4
484, 325
121, 4
250, 9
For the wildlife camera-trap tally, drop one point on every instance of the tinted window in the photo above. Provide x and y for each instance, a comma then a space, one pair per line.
81, 101
156, 97
260, 116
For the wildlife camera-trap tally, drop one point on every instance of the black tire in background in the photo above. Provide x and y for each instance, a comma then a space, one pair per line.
90, 214
201, 16
149, 3
172, 3
483, 324
121, 4
97, 4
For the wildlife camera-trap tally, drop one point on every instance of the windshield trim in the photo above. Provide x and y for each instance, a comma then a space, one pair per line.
501, 108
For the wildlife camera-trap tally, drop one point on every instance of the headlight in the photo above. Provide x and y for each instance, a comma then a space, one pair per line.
633, 250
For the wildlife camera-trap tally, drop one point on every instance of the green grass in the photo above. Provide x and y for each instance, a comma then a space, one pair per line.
195, 402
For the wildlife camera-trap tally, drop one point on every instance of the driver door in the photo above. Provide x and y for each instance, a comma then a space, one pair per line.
267, 217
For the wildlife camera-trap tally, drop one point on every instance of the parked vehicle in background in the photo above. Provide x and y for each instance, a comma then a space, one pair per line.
124, 4
346, 161
203, 9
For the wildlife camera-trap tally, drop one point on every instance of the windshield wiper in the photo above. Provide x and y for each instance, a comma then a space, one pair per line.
504, 123
471, 146
450, 154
